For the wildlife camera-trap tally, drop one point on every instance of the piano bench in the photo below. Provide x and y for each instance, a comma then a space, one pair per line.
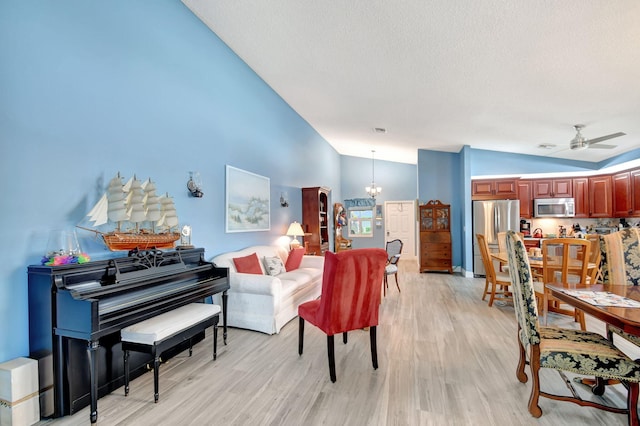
157, 334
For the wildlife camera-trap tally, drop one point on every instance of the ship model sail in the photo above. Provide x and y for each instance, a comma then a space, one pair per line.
129, 207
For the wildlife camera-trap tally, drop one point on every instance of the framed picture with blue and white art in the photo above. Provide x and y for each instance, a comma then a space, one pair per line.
248, 201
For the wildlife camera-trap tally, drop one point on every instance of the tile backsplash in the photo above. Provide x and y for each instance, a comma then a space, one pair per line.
551, 225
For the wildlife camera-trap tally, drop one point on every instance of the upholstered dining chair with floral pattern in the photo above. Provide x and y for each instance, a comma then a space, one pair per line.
620, 264
350, 299
565, 350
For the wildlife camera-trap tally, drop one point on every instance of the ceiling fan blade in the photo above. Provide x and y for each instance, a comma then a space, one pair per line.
602, 146
604, 138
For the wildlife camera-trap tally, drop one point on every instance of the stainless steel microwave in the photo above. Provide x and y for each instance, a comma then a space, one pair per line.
554, 207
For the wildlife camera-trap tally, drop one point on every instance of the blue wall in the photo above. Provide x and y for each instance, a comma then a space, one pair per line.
398, 182
89, 89
93, 89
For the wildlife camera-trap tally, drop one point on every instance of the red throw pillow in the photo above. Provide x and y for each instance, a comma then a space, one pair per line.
248, 264
294, 259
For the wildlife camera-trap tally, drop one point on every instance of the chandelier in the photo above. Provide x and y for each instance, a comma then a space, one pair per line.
373, 190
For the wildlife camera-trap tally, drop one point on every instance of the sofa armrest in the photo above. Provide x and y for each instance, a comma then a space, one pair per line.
315, 262
254, 283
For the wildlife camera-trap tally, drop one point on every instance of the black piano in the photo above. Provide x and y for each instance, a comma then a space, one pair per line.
76, 313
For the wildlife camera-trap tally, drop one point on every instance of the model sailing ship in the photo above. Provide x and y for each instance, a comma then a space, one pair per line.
130, 206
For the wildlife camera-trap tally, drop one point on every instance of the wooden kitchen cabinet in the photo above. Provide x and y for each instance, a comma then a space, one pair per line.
435, 237
600, 200
525, 195
635, 192
581, 196
626, 193
494, 189
553, 188
622, 197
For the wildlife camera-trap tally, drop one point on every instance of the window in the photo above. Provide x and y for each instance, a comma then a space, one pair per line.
361, 222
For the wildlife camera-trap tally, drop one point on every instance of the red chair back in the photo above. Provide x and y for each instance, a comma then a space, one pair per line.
351, 286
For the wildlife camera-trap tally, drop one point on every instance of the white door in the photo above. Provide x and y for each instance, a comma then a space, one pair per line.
400, 223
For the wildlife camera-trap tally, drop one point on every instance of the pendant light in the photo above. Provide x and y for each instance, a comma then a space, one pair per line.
373, 190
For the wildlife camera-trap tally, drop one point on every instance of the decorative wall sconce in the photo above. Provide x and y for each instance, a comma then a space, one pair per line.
194, 185
284, 199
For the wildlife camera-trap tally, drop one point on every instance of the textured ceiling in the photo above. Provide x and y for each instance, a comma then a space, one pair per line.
438, 75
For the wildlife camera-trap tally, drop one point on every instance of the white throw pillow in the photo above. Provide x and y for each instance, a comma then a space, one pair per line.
274, 265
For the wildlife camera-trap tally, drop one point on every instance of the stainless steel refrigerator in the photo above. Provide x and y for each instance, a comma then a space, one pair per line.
489, 218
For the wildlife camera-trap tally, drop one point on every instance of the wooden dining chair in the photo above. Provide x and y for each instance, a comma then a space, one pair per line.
496, 283
564, 261
502, 247
393, 249
577, 351
595, 271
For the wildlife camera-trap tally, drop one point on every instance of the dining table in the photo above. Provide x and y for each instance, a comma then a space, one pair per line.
614, 304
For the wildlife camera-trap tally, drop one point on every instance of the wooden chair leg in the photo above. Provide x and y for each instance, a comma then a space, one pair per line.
397, 285
493, 294
486, 288
385, 285
300, 335
374, 347
581, 320
632, 402
332, 359
344, 337
522, 362
534, 364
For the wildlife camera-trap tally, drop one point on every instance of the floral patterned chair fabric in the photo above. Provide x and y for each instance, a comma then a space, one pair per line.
621, 265
577, 351
621, 257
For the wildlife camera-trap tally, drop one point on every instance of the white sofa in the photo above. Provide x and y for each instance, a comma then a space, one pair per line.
264, 302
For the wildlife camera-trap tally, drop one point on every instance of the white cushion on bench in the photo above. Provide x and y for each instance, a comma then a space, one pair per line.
160, 327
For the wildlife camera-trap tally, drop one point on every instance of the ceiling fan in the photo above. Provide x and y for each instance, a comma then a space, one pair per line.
579, 142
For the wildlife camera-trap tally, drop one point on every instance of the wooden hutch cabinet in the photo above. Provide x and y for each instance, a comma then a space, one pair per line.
315, 219
435, 237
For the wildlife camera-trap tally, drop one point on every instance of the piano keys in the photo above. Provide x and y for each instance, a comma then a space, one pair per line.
76, 313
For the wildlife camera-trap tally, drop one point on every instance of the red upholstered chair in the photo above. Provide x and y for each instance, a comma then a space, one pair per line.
351, 285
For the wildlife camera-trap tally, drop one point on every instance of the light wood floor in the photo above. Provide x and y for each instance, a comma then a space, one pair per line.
445, 358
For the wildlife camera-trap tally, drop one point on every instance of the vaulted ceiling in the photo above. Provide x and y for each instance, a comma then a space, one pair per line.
440, 74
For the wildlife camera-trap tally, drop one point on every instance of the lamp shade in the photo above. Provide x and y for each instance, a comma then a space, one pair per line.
295, 230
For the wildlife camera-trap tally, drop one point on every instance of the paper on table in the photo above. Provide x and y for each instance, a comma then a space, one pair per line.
603, 298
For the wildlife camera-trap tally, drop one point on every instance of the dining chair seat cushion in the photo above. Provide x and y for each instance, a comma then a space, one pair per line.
391, 269
586, 353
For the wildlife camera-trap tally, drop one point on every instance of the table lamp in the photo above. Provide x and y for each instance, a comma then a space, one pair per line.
295, 230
